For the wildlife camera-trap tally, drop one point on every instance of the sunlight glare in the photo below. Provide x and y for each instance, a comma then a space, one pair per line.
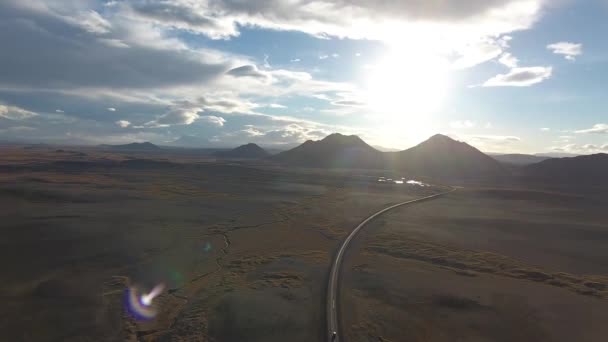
403, 92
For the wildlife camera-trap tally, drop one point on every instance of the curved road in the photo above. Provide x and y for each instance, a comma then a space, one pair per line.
332, 288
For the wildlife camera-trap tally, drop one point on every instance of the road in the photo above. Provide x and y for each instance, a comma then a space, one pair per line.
332, 288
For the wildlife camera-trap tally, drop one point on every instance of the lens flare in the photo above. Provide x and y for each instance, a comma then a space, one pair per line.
141, 305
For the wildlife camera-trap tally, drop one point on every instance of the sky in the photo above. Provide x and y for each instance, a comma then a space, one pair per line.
510, 76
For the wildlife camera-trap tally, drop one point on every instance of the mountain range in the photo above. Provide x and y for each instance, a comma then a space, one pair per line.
445, 158
438, 157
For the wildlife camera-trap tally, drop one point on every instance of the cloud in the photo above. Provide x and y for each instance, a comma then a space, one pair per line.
59, 111
581, 149
285, 135
348, 103
295, 60
111, 109
479, 51
462, 124
520, 77
276, 106
247, 71
90, 21
187, 15
569, 50
123, 123
214, 120
69, 56
182, 113
15, 113
600, 128
358, 19
508, 60
545, 129
117, 43
496, 138
323, 56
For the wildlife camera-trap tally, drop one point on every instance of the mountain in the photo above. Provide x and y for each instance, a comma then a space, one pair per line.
334, 151
249, 151
145, 146
556, 155
588, 169
519, 159
443, 157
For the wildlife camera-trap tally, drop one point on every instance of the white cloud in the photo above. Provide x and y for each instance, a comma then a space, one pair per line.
15, 113
462, 124
545, 129
123, 123
295, 60
600, 128
214, 120
59, 111
247, 71
508, 60
182, 113
478, 52
496, 138
323, 56
90, 21
520, 77
360, 19
276, 106
288, 134
111, 109
569, 50
117, 43
581, 149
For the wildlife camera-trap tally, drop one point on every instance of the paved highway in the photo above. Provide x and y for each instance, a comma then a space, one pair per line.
332, 288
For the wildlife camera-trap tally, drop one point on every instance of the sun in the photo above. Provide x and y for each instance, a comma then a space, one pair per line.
404, 90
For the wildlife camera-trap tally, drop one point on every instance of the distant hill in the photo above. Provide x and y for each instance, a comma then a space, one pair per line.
334, 151
588, 169
145, 146
556, 155
443, 157
249, 151
519, 159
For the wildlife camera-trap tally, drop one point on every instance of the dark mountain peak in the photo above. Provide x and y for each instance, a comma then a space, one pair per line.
247, 151
441, 137
444, 157
343, 139
440, 140
335, 150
